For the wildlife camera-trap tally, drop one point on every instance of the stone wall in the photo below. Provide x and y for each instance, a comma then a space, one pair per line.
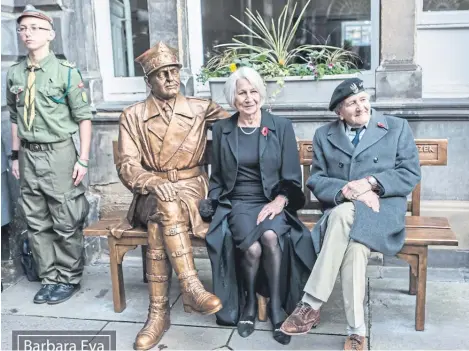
398, 91
427, 118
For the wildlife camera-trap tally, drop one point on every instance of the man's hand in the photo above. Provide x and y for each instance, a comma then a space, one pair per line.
370, 199
272, 209
15, 169
79, 173
163, 189
354, 189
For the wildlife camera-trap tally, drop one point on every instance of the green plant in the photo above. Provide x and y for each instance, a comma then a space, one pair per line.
270, 51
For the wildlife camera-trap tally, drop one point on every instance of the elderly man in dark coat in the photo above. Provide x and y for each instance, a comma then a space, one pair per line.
365, 164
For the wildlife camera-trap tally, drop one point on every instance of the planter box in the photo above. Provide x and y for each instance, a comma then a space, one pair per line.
295, 91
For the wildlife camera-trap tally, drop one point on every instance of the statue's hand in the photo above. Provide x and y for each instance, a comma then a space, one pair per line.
163, 189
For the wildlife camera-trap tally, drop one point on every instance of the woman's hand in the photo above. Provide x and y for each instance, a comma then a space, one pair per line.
272, 209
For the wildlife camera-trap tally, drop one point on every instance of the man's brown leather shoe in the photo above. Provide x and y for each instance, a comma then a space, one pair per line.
303, 318
355, 342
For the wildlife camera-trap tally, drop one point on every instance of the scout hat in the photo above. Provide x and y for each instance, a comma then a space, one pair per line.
157, 57
345, 89
31, 11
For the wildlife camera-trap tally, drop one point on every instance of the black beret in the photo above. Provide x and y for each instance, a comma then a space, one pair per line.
345, 89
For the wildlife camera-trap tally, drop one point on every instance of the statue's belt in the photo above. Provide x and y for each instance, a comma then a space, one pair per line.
174, 175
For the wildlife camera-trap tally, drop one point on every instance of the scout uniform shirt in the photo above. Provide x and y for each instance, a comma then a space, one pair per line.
59, 99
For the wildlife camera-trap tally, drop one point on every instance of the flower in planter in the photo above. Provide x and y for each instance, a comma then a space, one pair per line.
233, 67
281, 62
330, 66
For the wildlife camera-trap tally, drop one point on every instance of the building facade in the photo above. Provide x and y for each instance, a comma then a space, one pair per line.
413, 61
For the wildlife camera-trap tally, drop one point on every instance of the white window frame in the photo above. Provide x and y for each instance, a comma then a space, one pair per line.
428, 20
441, 19
114, 88
194, 17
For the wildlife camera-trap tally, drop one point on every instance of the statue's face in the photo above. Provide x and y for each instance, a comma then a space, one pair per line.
165, 82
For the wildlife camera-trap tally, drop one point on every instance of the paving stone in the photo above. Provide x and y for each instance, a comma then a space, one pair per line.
176, 338
94, 300
393, 316
332, 315
465, 273
125, 333
433, 274
263, 340
195, 338
373, 271
25, 323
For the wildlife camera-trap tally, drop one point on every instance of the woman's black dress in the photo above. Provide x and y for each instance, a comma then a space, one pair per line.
247, 197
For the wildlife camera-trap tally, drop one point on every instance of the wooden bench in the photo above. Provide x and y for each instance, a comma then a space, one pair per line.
421, 231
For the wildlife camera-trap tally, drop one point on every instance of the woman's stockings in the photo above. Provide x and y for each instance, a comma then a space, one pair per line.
250, 265
271, 262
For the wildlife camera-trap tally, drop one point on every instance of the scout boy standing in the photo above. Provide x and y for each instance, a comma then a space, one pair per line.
48, 104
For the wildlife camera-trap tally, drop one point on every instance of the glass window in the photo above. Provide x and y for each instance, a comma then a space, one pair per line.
130, 35
445, 5
341, 23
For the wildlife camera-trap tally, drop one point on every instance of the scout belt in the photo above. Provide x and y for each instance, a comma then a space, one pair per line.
174, 175
43, 146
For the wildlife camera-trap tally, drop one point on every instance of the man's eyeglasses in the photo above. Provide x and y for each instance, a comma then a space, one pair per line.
32, 29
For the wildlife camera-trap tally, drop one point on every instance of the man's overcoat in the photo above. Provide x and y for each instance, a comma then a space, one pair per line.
387, 151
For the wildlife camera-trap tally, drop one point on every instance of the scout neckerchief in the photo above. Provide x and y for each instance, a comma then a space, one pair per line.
30, 96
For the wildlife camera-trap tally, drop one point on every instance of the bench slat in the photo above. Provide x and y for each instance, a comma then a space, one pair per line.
410, 221
421, 231
430, 236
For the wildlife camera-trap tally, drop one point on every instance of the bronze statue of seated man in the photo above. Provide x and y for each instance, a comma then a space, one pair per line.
160, 159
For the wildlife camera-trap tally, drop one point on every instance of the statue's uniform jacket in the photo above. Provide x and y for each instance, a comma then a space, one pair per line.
149, 143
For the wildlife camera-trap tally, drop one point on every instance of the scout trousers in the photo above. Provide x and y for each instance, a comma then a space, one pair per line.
54, 209
341, 254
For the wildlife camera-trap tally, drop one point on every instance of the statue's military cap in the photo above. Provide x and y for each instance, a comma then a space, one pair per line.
157, 57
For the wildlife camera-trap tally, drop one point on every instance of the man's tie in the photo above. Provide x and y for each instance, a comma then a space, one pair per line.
168, 112
356, 139
30, 96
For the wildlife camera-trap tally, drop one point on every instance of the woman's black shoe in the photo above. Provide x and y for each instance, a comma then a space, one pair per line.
246, 326
280, 337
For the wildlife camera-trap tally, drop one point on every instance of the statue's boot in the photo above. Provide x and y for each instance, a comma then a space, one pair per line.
179, 249
159, 278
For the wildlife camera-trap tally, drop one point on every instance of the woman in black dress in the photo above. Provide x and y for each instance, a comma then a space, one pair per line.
255, 242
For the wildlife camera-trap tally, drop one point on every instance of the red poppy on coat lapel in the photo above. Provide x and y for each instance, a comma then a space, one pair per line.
265, 131
381, 125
